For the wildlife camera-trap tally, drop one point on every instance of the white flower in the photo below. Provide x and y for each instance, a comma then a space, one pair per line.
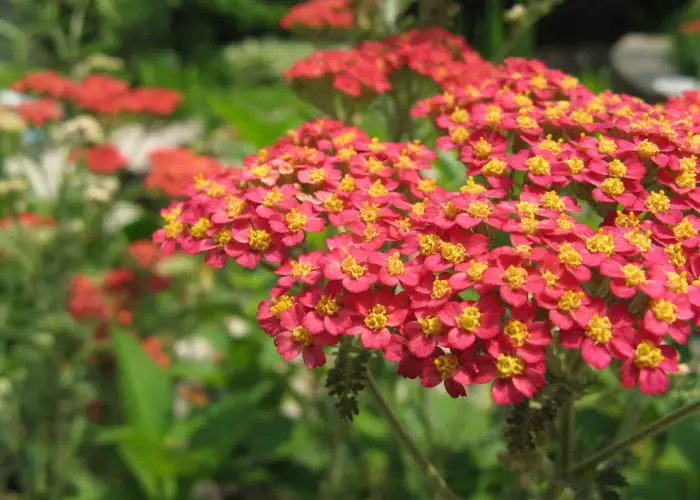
193, 349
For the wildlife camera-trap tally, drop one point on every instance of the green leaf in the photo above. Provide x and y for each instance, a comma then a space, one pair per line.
246, 122
224, 424
146, 390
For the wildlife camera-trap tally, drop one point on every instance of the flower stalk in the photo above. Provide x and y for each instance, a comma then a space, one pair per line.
649, 431
402, 434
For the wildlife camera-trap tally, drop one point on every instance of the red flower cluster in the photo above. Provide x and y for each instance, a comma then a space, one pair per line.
27, 219
172, 170
375, 66
100, 94
116, 294
39, 111
576, 224
104, 159
320, 14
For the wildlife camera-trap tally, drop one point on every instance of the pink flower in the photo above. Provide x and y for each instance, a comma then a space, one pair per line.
648, 365
301, 336
377, 312
467, 321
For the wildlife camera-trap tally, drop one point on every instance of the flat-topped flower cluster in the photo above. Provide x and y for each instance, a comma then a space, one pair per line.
576, 226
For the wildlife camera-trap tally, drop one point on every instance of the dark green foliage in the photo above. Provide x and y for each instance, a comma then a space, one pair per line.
347, 378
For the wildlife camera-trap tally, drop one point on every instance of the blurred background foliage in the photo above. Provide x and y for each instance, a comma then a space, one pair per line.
270, 432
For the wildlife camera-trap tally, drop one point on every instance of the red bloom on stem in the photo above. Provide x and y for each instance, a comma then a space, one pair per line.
301, 335
377, 311
606, 335
648, 365
105, 159
467, 321
514, 280
329, 308
669, 314
306, 269
628, 278
350, 266
39, 111
517, 377
455, 370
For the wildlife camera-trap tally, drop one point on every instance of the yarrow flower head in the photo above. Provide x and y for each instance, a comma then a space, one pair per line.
576, 226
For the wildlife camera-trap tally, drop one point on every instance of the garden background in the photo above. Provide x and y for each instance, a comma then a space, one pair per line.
198, 403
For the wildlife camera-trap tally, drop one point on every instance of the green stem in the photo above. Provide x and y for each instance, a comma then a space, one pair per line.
402, 434
566, 438
651, 430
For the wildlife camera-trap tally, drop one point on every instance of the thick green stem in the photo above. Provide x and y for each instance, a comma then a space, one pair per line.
566, 437
651, 430
402, 434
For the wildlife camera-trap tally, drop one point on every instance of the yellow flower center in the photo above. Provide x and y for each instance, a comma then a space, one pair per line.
377, 189
272, 197
629, 219
657, 201
199, 229
376, 318
599, 329
173, 229
517, 331
374, 166
300, 269
295, 220
441, 288
493, 115
552, 201
550, 145
575, 164
550, 278
476, 270
678, 282
569, 256
641, 240
235, 206
429, 244
537, 165
450, 210
601, 243
529, 224
459, 135
459, 116
612, 186
260, 171
418, 208
471, 187
688, 164
369, 233
302, 336
564, 223
526, 208
469, 319
538, 82
346, 153
327, 306
676, 255
526, 122
509, 366
570, 301
686, 180
482, 149
171, 215
347, 184
222, 237
647, 355
606, 146
617, 169
515, 276
369, 212
280, 304
446, 365
216, 190
351, 268
647, 150
664, 311
334, 204
200, 183
452, 253
582, 117
259, 239
430, 325
479, 210
684, 230
427, 186
394, 265
634, 276
494, 167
